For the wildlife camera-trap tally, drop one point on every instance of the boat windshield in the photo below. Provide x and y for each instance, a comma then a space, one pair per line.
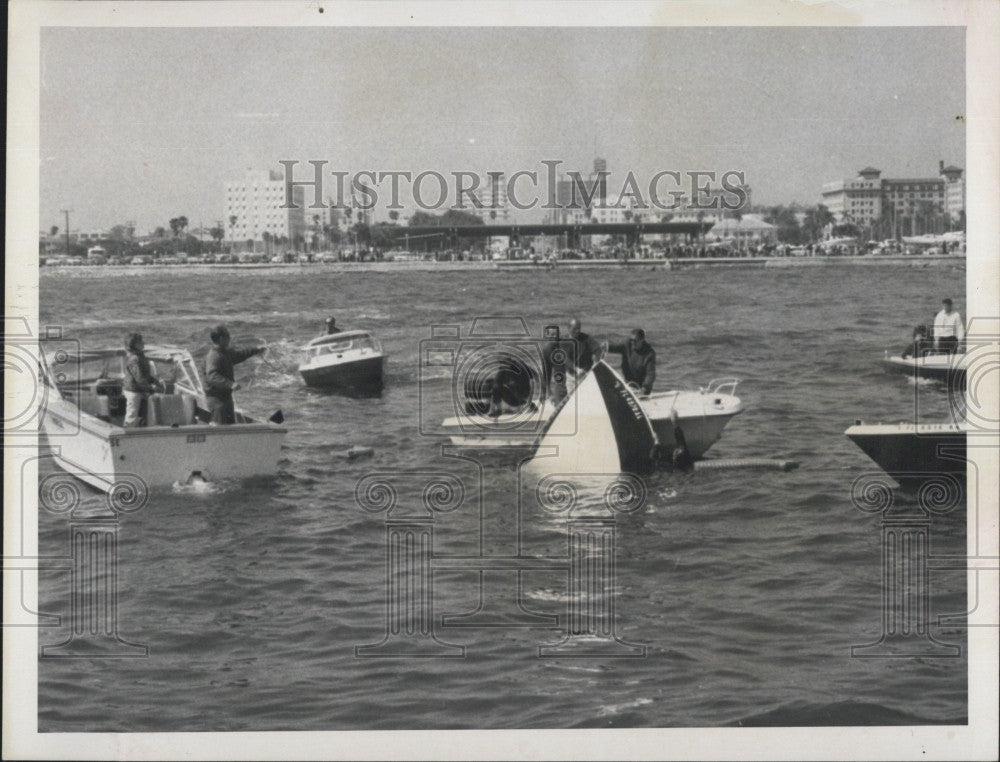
343, 345
88, 369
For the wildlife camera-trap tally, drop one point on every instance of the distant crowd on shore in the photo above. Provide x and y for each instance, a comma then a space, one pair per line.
667, 251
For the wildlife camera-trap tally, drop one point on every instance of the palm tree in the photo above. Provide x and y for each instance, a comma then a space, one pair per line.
217, 234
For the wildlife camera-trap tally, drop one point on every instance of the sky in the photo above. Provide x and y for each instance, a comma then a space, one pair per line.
146, 124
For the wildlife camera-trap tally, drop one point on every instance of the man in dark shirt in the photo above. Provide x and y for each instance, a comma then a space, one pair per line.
219, 374
638, 360
558, 356
920, 345
331, 326
584, 355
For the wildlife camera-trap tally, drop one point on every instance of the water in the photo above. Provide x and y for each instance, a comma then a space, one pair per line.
747, 589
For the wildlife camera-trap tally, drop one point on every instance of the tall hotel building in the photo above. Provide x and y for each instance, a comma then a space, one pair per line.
905, 203
254, 207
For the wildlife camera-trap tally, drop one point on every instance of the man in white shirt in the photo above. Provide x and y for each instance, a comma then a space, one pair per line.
948, 329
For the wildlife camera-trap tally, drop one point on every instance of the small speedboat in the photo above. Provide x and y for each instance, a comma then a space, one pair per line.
701, 415
913, 453
84, 409
349, 360
948, 368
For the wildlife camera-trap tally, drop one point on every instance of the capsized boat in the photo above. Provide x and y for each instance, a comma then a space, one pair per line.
913, 453
948, 368
349, 360
701, 415
84, 410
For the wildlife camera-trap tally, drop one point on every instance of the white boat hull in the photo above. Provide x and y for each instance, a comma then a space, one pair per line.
940, 367
702, 416
103, 454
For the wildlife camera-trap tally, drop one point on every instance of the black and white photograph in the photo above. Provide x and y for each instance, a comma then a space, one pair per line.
532, 380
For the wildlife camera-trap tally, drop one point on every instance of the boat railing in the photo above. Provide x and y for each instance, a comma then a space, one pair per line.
726, 385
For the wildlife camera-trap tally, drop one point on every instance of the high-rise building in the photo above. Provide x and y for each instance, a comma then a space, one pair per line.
579, 198
908, 205
492, 194
254, 207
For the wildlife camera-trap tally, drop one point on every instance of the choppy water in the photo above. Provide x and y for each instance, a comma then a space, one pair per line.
747, 589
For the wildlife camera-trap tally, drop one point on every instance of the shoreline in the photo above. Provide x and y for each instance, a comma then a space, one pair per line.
522, 265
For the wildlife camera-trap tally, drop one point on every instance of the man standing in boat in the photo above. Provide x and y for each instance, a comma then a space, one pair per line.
331, 326
139, 382
583, 356
557, 359
219, 374
948, 329
638, 360
584, 359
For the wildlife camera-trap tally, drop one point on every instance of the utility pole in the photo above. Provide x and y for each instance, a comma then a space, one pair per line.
66, 212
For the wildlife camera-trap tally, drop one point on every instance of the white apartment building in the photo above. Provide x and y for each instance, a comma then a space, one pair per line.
859, 200
254, 207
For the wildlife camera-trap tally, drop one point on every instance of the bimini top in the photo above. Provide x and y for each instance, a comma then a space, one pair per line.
345, 337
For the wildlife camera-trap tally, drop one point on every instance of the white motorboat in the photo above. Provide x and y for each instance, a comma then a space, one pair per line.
348, 360
949, 368
701, 415
913, 452
84, 410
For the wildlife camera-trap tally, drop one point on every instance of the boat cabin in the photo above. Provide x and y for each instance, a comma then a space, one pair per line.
361, 342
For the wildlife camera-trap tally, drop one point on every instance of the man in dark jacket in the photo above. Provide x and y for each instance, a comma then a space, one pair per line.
638, 360
919, 346
584, 355
219, 374
557, 362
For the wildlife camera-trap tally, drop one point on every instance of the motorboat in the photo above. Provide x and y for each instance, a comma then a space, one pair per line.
701, 415
948, 368
84, 410
913, 452
348, 360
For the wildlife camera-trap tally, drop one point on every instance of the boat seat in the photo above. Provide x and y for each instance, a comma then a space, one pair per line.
97, 405
171, 410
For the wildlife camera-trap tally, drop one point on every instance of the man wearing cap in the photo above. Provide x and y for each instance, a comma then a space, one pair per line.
219, 375
948, 329
331, 326
638, 360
